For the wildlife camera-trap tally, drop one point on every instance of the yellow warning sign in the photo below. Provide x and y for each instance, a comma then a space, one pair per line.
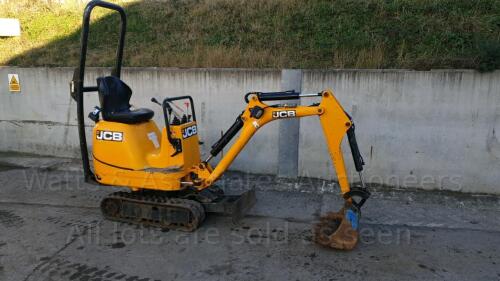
14, 85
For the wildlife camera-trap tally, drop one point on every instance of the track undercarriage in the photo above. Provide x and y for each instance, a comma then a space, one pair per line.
183, 211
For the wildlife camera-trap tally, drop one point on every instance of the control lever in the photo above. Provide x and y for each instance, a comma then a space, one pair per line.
155, 101
169, 108
94, 114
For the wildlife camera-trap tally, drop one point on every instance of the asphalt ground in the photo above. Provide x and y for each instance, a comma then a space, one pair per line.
51, 229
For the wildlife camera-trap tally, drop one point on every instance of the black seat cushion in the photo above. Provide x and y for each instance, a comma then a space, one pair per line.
114, 96
131, 116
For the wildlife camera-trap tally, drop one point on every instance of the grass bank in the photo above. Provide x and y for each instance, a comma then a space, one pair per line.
415, 34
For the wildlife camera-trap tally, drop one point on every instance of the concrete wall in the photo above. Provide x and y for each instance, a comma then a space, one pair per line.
434, 129
42, 118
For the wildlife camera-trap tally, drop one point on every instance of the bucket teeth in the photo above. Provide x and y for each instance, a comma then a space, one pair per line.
338, 230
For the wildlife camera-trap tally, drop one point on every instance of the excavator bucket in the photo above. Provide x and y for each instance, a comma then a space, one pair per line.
338, 230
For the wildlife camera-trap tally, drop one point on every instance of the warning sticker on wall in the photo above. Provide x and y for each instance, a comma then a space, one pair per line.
14, 85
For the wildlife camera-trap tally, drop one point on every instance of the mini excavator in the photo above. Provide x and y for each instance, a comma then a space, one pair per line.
169, 186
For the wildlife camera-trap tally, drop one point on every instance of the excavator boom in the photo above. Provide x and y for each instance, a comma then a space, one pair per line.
335, 229
334, 121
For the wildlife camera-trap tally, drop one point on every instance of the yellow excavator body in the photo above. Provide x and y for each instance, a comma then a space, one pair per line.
170, 186
138, 155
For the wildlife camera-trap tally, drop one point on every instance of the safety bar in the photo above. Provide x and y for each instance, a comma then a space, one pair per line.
165, 105
77, 88
169, 100
90, 89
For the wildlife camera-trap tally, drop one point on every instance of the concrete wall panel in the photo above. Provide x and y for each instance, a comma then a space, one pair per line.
423, 129
432, 129
42, 118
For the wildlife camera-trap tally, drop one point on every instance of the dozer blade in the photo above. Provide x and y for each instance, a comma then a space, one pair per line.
338, 230
235, 206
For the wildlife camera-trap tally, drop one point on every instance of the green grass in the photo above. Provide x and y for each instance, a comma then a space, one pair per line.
415, 34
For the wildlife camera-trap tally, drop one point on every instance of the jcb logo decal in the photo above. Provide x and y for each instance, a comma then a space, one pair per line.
189, 131
284, 114
109, 136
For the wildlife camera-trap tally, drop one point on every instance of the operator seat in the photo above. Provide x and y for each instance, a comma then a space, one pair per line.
114, 96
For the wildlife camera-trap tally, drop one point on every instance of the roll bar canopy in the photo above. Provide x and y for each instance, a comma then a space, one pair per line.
77, 87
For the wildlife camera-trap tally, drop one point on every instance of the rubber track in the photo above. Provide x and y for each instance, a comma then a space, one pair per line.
146, 202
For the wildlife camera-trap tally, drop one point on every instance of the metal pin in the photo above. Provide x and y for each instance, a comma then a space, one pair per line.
361, 180
310, 95
208, 159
